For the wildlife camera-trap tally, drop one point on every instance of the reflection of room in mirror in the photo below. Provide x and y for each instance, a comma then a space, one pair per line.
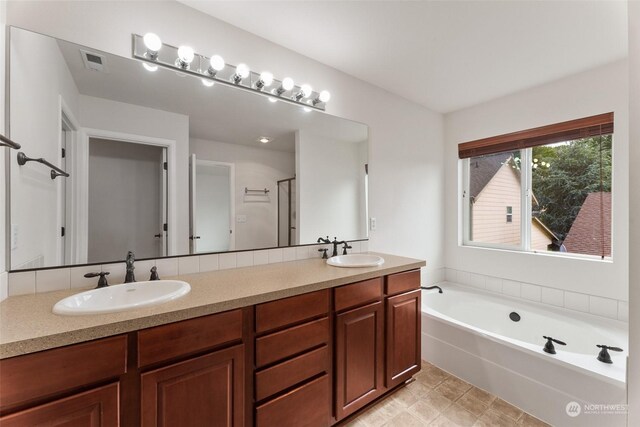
256, 143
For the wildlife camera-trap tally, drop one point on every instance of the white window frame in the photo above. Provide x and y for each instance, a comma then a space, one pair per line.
525, 214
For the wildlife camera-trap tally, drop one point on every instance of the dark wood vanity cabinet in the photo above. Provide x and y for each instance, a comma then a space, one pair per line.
308, 360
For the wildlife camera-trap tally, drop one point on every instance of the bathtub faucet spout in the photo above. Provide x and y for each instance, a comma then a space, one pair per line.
432, 287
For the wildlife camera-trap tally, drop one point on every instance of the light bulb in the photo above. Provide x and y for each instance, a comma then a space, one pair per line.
186, 54
149, 67
266, 78
325, 96
306, 109
287, 83
264, 139
272, 99
242, 70
153, 44
306, 90
207, 82
216, 63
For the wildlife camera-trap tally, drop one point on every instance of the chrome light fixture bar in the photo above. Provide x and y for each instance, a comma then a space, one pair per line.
150, 49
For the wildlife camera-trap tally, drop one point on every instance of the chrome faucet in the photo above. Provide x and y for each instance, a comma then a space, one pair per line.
130, 276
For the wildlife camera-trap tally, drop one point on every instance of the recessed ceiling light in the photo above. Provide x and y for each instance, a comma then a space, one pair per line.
265, 139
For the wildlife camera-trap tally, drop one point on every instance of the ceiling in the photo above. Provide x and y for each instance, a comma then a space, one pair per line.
217, 113
445, 55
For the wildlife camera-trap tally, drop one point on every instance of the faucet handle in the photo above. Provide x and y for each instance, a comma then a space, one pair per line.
324, 253
102, 281
154, 273
604, 355
345, 246
548, 347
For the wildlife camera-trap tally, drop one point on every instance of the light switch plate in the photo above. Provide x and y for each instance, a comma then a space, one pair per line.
372, 224
241, 219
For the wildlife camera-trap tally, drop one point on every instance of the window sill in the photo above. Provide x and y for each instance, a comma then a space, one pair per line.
578, 257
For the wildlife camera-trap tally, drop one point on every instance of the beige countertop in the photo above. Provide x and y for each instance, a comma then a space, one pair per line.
27, 323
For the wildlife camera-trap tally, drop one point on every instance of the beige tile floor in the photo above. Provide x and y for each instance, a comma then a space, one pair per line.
437, 398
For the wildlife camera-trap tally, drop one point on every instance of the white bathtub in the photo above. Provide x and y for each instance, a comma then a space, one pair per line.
469, 333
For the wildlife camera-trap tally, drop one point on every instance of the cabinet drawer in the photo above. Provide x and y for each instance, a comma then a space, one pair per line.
97, 407
189, 336
276, 314
287, 374
402, 282
358, 294
306, 406
280, 345
29, 378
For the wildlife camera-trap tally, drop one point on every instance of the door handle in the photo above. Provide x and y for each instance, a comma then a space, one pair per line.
194, 237
159, 235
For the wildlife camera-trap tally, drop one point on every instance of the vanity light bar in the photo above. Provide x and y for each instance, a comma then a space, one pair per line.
150, 49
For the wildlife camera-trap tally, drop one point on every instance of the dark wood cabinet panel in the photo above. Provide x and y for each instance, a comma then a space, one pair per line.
280, 345
357, 294
402, 282
359, 363
277, 314
206, 390
306, 406
167, 342
31, 378
294, 371
93, 408
403, 337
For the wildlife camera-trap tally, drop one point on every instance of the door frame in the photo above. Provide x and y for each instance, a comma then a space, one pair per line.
232, 202
169, 144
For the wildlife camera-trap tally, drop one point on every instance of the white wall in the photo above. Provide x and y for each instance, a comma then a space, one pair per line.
593, 92
255, 168
406, 140
634, 214
3, 255
329, 188
107, 115
35, 124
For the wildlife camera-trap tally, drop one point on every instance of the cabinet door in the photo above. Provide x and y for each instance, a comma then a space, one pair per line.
94, 408
359, 358
203, 391
403, 337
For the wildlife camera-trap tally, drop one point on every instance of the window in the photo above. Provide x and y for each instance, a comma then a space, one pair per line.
552, 183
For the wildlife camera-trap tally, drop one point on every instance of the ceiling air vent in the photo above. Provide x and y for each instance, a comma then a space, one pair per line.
94, 61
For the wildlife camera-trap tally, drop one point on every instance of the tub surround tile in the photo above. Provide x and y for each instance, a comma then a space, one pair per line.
209, 262
288, 254
188, 265
511, 288
464, 277
450, 275
576, 301
603, 307
477, 281
228, 261
494, 284
275, 256
260, 257
22, 283
553, 297
531, 292
244, 259
167, 267
623, 311
53, 280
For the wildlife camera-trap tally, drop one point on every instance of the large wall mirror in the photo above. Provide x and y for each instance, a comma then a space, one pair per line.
161, 164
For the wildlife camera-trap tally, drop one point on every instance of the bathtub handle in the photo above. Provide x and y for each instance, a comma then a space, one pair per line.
548, 347
604, 355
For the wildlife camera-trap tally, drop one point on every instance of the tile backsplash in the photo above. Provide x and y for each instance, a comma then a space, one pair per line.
30, 282
599, 306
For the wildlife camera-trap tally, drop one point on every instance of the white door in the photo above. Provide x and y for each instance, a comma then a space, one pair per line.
212, 206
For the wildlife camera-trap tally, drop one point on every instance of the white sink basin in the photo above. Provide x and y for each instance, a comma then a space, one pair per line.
121, 297
355, 260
